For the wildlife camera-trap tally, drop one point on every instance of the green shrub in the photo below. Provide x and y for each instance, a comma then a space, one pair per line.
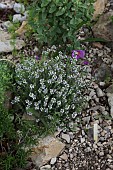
58, 21
51, 89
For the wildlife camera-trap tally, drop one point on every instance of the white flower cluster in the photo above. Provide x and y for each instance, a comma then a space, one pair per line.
54, 85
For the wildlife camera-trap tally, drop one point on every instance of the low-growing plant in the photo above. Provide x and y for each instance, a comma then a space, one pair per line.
58, 21
51, 88
15, 133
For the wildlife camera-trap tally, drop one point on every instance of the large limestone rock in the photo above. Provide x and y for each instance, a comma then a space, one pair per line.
7, 44
48, 148
99, 7
104, 27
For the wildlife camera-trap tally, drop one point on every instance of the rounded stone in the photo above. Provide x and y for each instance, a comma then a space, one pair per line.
19, 8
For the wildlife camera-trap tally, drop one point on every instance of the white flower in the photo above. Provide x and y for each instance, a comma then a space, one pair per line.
16, 99
51, 91
46, 110
53, 100
58, 103
49, 81
73, 106
50, 106
31, 86
39, 90
41, 109
30, 113
74, 115
36, 103
67, 107
45, 91
32, 96
62, 110
36, 107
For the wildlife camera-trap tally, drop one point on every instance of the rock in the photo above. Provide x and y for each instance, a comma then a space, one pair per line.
100, 93
64, 156
102, 108
66, 137
112, 67
86, 119
18, 18
53, 161
110, 89
7, 44
102, 84
48, 148
92, 93
101, 154
46, 167
7, 24
19, 8
22, 28
103, 73
3, 6
110, 101
7, 47
82, 140
97, 45
104, 27
99, 7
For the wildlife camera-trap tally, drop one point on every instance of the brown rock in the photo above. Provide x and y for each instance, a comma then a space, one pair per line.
48, 148
104, 27
97, 45
99, 7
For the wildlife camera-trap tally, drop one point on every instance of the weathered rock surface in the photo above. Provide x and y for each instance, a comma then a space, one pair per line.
48, 148
7, 44
104, 27
103, 73
99, 7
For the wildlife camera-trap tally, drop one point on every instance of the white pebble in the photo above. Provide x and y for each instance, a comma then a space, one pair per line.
66, 137
19, 8
53, 160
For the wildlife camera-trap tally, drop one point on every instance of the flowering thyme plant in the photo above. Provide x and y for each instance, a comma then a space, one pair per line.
50, 89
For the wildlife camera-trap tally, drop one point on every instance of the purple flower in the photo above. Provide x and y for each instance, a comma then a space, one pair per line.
78, 54
85, 62
37, 57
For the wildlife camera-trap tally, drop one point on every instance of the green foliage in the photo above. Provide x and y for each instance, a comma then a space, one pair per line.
15, 133
58, 21
51, 89
5, 79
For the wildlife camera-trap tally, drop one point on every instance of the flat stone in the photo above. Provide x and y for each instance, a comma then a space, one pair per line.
82, 140
66, 137
48, 148
110, 89
104, 27
99, 7
97, 45
100, 93
64, 156
7, 44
